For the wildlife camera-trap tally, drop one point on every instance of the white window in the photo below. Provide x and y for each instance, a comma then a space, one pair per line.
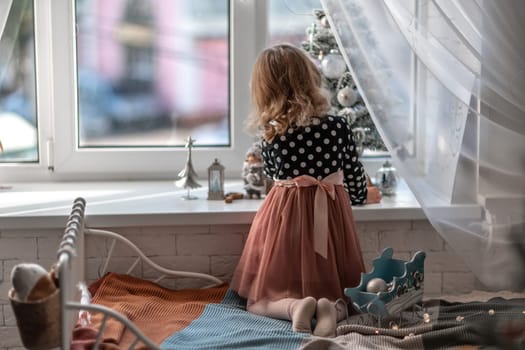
288, 20
71, 37
121, 84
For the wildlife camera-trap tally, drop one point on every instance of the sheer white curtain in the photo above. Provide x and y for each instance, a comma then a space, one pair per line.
10, 19
444, 81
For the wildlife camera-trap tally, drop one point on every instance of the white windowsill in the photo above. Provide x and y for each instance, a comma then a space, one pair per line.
150, 203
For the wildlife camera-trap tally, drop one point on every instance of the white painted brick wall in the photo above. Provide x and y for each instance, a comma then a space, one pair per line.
216, 250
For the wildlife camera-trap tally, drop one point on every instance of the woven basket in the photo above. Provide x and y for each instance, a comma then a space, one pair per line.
38, 321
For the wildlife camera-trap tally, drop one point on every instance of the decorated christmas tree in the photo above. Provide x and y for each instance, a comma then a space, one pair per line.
345, 98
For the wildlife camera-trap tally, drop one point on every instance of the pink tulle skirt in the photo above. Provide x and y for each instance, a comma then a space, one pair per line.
279, 259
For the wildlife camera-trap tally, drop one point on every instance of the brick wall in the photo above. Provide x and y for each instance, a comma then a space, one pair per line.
216, 250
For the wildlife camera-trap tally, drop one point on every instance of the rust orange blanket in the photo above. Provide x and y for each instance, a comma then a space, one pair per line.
157, 311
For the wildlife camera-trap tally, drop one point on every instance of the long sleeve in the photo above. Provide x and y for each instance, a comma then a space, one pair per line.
355, 176
269, 167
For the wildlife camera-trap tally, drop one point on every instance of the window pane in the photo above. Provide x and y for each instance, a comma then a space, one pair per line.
18, 122
152, 72
289, 19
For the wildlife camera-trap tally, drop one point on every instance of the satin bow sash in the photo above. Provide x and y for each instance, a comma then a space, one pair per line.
325, 189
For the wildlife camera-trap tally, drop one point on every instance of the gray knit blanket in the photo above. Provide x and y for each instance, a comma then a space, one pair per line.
435, 324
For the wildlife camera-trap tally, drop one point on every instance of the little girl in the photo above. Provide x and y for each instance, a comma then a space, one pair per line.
302, 249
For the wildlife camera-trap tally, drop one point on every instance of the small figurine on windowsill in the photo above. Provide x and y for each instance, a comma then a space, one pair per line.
253, 176
255, 181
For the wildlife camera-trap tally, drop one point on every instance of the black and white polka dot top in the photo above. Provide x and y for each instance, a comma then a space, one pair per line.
324, 147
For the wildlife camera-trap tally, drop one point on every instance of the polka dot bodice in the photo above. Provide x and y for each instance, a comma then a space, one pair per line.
324, 147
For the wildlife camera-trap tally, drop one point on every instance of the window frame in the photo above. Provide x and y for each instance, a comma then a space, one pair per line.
62, 159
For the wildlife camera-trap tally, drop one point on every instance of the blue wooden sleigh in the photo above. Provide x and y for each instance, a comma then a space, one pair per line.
404, 285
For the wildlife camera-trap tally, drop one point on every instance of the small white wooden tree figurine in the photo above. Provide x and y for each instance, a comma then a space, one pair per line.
188, 176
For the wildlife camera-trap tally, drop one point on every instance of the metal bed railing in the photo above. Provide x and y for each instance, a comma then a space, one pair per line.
115, 237
71, 269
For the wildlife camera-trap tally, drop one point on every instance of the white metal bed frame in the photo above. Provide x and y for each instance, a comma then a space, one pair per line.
71, 271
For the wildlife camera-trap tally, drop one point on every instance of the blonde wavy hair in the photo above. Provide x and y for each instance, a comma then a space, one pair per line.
286, 90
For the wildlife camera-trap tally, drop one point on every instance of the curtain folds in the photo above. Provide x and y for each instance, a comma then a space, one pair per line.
444, 81
11, 16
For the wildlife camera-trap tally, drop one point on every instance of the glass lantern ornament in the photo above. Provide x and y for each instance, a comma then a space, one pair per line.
387, 179
216, 181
